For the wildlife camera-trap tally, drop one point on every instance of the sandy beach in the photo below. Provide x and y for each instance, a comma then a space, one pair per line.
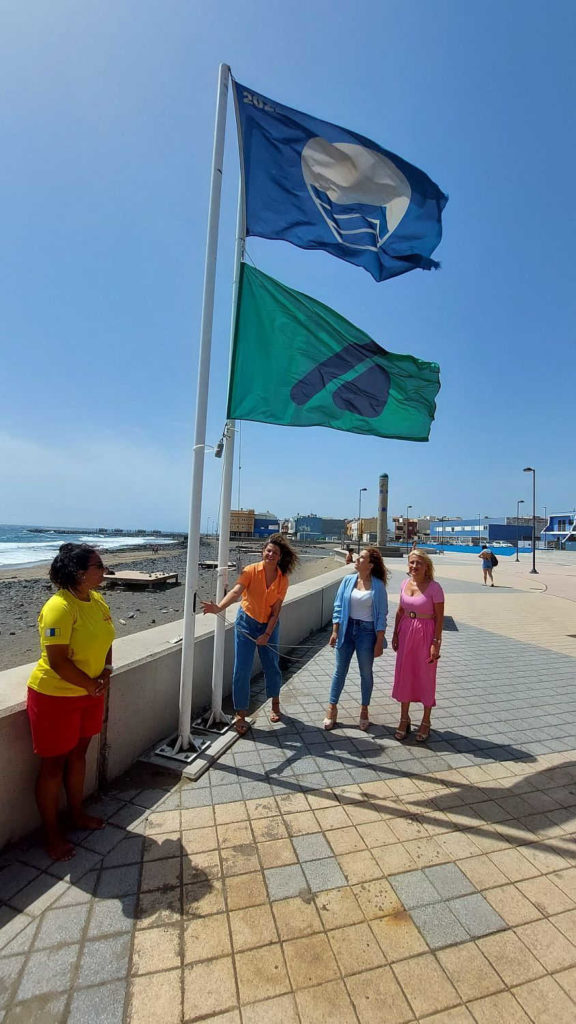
24, 591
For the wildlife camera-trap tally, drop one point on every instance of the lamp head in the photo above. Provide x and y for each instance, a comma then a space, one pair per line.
527, 469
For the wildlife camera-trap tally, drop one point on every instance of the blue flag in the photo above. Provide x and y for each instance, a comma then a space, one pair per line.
319, 186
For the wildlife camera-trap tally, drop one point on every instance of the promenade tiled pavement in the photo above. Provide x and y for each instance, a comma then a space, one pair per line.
332, 877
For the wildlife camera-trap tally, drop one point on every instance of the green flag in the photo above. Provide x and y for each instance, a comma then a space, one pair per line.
299, 363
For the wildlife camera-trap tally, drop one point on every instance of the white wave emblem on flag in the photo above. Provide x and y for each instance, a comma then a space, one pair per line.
349, 175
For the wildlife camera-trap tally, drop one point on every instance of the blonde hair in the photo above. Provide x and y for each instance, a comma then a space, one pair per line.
427, 562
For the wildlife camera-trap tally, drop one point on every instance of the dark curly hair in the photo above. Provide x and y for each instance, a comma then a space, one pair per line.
288, 557
379, 570
70, 562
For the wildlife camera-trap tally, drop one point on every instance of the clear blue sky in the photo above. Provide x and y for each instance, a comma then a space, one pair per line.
107, 113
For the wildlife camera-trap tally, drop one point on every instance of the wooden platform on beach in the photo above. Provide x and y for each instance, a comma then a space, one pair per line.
140, 579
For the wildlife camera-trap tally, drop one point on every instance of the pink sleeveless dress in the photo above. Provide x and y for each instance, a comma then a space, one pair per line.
414, 677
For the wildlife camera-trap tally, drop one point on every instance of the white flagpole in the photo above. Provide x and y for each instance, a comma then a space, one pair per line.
226, 491
189, 630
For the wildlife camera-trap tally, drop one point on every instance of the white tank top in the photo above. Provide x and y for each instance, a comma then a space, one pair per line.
361, 605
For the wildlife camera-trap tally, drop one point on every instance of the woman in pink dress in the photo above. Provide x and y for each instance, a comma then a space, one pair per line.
416, 640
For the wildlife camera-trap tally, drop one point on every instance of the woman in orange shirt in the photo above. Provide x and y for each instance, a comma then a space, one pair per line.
262, 588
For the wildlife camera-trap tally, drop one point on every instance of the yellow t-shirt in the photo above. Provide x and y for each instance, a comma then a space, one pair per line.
86, 627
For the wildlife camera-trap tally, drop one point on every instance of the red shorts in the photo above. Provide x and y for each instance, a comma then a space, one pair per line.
58, 723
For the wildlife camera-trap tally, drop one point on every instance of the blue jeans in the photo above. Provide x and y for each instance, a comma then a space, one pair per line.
360, 637
246, 630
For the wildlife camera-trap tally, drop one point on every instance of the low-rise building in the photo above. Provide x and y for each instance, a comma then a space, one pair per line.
241, 523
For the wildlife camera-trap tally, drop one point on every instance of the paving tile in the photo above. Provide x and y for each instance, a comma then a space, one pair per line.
377, 898
161, 874
457, 1015
301, 823
476, 915
310, 961
513, 864
355, 948
240, 860
296, 917
14, 877
224, 814
470, 971
545, 1002
425, 984
501, 1008
414, 889
566, 922
339, 907
398, 936
438, 925
10, 967
359, 867
156, 999
245, 890
58, 925
158, 908
252, 927
549, 945
44, 973
393, 859
47, 1009
345, 840
118, 881
513, 907
567, 979
156, 949
482, 872
510, 958
279, 1008
311, 847
104, 960
285, 882
203, 899
545, 895
277, 853
261, 973
101, 1005
449, 880
323, 874
206, 938
325, 1003
378, 998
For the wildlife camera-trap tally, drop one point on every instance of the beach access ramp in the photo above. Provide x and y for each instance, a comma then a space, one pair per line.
150, 580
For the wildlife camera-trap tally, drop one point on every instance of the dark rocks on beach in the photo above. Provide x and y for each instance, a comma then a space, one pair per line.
22, 599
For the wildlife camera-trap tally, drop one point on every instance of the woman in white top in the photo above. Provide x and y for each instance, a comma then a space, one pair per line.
359, 624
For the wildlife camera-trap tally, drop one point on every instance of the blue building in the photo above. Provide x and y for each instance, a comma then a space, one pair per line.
480, 530
265, 524
560, 528
313, 527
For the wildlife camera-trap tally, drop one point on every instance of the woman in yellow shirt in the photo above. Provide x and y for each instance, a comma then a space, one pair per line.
67, 687
262, 588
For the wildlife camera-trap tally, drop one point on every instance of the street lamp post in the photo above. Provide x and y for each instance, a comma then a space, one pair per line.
360, 514
480, 529
408, 507
518, 503
529, 469
545, 525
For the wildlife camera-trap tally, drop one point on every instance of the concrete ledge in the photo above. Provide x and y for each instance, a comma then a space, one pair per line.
143, 702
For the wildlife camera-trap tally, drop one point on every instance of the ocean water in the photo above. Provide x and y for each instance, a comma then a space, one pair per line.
21, 546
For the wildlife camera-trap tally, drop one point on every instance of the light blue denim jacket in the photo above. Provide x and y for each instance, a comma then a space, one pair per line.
341, 612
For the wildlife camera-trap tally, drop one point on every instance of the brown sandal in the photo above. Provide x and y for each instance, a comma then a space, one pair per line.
275, 713
241, 725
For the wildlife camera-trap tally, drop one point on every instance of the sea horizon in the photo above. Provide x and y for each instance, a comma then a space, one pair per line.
23, 547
